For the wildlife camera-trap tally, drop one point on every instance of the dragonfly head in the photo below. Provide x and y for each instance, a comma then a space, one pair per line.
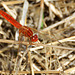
34, 38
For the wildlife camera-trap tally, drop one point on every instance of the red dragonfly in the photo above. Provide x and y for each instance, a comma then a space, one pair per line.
22, 29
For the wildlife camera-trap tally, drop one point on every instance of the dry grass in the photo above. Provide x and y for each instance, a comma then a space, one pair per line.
53, 53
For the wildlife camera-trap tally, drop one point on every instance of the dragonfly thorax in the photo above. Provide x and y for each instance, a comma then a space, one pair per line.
26, 31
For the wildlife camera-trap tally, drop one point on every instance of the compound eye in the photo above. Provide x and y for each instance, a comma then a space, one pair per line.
34, 38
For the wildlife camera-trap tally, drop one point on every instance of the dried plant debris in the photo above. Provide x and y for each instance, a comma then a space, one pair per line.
54, 52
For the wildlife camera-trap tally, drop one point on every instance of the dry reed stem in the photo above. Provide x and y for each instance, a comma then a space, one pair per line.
1, 21
59, 23
68, 4
6, 7
67, 63
35, 67
6, 48
71, 70
13, 2
41, 14
28, 72
53, 9
31, 64
25, 9
32, 49
61, 41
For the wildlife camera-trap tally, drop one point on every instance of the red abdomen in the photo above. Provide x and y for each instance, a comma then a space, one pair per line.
10, 19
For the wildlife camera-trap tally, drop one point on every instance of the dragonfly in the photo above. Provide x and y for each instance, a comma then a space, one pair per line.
27, 32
